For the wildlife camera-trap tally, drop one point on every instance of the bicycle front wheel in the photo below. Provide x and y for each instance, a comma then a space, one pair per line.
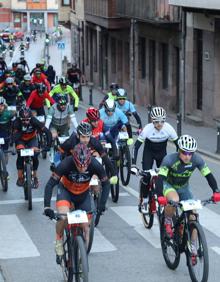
148, 217
125, 165
197, 254
3, 172
170, 247
28, 185
67, 260
80, 260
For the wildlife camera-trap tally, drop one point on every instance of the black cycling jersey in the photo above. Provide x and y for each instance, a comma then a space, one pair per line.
94, 144
76, 182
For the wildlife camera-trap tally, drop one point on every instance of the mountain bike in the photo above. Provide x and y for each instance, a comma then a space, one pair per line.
42, 139
74, 262
186, 226
125, 158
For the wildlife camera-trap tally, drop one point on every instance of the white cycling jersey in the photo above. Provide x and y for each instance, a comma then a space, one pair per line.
157, 136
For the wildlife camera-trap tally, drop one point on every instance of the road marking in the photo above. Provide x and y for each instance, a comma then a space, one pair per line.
216, 250
131, 216
22, 201
14, 240
101, 244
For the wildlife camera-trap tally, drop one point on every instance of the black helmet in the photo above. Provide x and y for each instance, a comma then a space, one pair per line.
121, 94
40, 87
84, 128
25, 113
114, 86
61, 101
63, 80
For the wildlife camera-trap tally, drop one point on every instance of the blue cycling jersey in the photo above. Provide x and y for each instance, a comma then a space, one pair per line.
110, 121
127, 107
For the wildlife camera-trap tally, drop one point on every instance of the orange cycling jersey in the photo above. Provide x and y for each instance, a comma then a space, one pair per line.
73, 187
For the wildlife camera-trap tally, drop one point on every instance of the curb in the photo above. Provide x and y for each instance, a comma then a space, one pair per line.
201, 151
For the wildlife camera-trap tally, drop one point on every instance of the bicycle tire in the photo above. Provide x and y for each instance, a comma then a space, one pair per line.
91, 233
3, 172
169, 243
43, 145
29, 185
114, 187
125, 161
81, 265
202, 252
67, 259
148, 218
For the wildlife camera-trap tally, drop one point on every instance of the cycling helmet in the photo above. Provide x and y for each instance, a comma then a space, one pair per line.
61, 101
84, 128
114, 86
187, 143
40, 88
37, 71
158, 114
14, 64
63, 80
93, 114
27, 77
109, 105
2, 101
20, 66
121, 94
81, 155
25, 114
9, 80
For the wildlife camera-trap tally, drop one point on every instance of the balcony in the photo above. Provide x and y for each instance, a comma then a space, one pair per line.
198, 4
148, 10
103, 13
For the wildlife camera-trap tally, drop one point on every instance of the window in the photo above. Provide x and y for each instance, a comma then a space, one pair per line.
113, 55
165, 65
65, 2
73, 5
142, 57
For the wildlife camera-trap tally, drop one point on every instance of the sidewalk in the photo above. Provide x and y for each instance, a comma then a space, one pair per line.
205, 136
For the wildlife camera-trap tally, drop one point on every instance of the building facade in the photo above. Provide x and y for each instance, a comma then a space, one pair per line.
27, 15
202, 60
5, 14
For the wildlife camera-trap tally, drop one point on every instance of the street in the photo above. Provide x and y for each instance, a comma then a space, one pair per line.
123, 249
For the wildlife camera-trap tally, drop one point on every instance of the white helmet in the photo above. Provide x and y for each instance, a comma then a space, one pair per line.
158, 114
187, 143
109, 105
2, 101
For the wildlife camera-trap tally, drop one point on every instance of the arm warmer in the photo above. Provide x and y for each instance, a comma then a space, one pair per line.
49, 190
136, 147
129, 129
138, 119
212, 182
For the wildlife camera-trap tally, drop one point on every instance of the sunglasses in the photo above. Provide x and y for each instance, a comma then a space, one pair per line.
186, 153
158, 122
25, 119
93, 120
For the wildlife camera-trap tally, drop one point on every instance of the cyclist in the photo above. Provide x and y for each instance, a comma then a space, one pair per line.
20, 73
112, 94
126, 106
5, 125
25, 128
155, 135
51, 74
65, 89
39, 77
83, 135
10, 92
114, 121
37, 98
93, 117
175, 172
26, 87
74, 74
24, 63
58, 118
73, 175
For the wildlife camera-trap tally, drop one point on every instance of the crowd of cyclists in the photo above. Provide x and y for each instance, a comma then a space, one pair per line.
27, 94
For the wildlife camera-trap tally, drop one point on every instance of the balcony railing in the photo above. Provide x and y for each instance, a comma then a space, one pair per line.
148, 10
101, 8
201, 4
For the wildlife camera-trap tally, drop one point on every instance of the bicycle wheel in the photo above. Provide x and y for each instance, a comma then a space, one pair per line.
43, 146
81, 266
125, 165
148, 218
198, 264
91, 232
67, 259
170, 247
28, 185
3, 172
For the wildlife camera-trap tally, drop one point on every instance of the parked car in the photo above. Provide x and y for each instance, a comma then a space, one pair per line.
18, 34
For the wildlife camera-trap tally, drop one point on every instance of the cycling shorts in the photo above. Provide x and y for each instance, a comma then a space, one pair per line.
184, 192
